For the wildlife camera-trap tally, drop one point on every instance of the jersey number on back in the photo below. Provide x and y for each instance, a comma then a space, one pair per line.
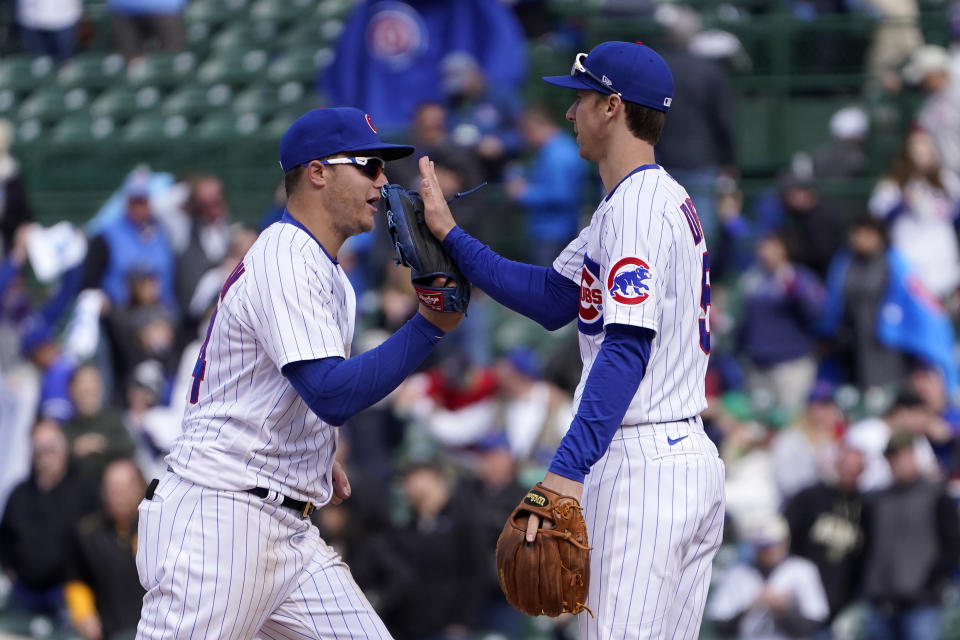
693, 220
200, 369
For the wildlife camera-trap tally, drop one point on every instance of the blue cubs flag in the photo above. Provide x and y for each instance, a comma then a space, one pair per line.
388, 58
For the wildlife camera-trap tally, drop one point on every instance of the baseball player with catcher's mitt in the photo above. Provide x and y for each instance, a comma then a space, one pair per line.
637, 281
225, 544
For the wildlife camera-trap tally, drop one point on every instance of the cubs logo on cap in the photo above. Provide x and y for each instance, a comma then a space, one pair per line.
627, 281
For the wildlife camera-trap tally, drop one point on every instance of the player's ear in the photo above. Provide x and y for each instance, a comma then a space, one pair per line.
613, 103
316, 173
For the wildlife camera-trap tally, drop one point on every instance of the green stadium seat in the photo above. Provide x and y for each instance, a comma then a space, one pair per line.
154, 126
162, 69
234, 67
329, 9
24, 73
91, 71
82, 128
299, 65
278, 124
250, 35
29, 131
122, 103
214, 11
262, 100
51, 103
195, 101
282, 11
227, 125
8, 103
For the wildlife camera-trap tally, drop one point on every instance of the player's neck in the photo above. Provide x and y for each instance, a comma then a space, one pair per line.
317, 223
622, 157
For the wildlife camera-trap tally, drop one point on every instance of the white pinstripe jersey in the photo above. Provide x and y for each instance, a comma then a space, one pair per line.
643, 261
245, 425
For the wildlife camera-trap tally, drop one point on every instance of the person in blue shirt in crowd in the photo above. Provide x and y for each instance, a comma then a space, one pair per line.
551, 189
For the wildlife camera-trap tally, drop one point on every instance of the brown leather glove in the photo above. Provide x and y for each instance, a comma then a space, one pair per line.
550, 575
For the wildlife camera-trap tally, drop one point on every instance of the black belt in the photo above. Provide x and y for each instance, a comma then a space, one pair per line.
303, 508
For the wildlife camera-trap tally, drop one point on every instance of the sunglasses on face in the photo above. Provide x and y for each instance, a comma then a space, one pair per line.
578, 67
370, 166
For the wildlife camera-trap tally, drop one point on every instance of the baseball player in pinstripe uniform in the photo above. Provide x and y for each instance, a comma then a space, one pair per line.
637, 280
225, 546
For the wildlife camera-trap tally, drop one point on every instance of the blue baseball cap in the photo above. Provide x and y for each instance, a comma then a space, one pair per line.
633, 70
321, 133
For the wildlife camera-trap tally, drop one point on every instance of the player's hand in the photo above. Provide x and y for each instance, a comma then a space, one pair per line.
563, 486
436, 213
341, 484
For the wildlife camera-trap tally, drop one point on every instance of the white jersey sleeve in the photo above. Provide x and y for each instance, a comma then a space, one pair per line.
570, 260
635, 260
295, 305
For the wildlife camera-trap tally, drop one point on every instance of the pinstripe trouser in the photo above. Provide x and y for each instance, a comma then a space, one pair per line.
226, 564
654, 513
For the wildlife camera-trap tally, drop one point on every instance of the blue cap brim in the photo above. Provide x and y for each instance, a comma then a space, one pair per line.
387, 151
570, 82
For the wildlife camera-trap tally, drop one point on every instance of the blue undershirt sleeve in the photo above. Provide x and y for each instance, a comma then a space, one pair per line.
610, 386
540, 293
337, 389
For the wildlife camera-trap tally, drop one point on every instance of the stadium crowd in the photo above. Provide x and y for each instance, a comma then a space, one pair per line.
833, 387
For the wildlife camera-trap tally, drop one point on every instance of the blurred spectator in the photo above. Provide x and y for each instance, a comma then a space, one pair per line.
777, 596
826, 527
152, 428
912, 549
96, 432
104, 595
731, 250
806, 451
143, 329
872, 435
550, 188
919, 200
896, 35
15, 207
535, 414
49, 27
483, 115
137, 22
798, 212
38, 523
930, 69
877, 310
439, 546
135, 241
845, 155
697, 141
208, 237
782, 302
493, 493
387, 60
40, 346
208, 286
429, 130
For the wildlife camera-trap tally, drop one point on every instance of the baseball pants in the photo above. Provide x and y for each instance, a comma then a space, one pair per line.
654, 507
226, 564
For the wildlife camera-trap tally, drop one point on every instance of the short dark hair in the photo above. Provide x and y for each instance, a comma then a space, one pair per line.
644, 122
292, 178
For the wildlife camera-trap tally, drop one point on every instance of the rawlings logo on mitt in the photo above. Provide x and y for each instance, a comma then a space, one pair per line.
550, 575
416, 247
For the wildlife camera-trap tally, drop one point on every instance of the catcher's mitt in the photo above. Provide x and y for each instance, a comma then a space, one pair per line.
550, 575
416, 247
